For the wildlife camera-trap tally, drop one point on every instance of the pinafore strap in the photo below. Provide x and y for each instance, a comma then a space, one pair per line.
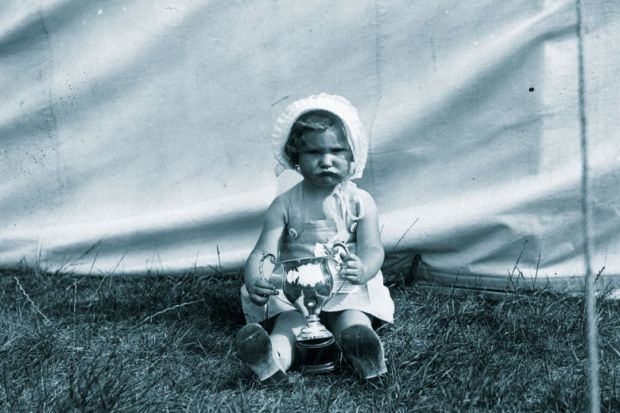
347, 205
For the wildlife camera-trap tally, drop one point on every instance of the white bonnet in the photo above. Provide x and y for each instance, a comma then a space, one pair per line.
339, 106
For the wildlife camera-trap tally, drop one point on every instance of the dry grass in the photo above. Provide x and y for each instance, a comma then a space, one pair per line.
163, 343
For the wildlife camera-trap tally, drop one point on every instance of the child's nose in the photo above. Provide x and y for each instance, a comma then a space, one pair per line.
325, 160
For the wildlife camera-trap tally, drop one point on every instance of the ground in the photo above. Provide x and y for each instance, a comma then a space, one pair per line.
165, 343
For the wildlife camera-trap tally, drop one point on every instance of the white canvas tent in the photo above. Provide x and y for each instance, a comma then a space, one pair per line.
134, 136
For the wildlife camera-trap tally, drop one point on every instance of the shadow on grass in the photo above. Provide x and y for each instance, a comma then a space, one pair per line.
137, 299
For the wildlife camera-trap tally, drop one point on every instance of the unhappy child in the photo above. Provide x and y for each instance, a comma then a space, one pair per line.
323, 139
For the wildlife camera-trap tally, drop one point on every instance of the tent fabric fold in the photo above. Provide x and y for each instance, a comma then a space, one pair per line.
135, 136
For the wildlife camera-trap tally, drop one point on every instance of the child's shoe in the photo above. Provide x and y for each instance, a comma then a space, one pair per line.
255, 350
361, 345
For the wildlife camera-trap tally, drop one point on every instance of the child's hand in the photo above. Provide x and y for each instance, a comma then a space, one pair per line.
260, 290
353, 269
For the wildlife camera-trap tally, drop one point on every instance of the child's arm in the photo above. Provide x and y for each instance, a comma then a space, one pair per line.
362, 266
273, 226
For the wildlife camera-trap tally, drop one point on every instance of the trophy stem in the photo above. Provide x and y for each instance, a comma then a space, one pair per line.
313, 329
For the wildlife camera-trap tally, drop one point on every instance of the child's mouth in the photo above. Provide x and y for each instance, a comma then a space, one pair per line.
328, 175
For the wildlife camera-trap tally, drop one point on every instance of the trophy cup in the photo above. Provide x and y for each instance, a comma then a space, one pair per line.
308, 283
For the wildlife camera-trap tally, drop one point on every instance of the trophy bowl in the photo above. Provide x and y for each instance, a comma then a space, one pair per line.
308, 284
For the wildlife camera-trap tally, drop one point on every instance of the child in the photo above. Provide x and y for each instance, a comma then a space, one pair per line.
323, 139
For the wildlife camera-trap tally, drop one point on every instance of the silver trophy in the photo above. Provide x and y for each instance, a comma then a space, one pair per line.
308, 284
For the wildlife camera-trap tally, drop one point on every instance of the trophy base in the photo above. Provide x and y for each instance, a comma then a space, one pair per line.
318, 368
319, 355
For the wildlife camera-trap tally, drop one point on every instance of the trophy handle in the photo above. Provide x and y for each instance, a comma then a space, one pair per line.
335, 250
339, 245
271, 258
338, 263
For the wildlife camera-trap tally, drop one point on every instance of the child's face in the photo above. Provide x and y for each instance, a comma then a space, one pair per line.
324, 157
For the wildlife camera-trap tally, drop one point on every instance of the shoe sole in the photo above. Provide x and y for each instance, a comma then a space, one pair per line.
363, 348
254, 349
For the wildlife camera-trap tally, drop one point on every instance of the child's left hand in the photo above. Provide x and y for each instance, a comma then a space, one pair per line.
353, 269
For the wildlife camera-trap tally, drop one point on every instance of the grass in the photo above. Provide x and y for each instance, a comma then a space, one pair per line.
164, 343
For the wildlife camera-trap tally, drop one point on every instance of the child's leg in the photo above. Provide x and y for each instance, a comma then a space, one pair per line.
360, 344
270, 355
342, 319
283, 337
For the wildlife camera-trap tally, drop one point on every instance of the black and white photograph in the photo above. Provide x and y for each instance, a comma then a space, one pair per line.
298, 206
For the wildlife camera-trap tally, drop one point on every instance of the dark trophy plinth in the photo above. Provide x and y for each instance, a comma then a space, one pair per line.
319, 355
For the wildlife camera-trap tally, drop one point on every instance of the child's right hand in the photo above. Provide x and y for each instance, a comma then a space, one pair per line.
260, 290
